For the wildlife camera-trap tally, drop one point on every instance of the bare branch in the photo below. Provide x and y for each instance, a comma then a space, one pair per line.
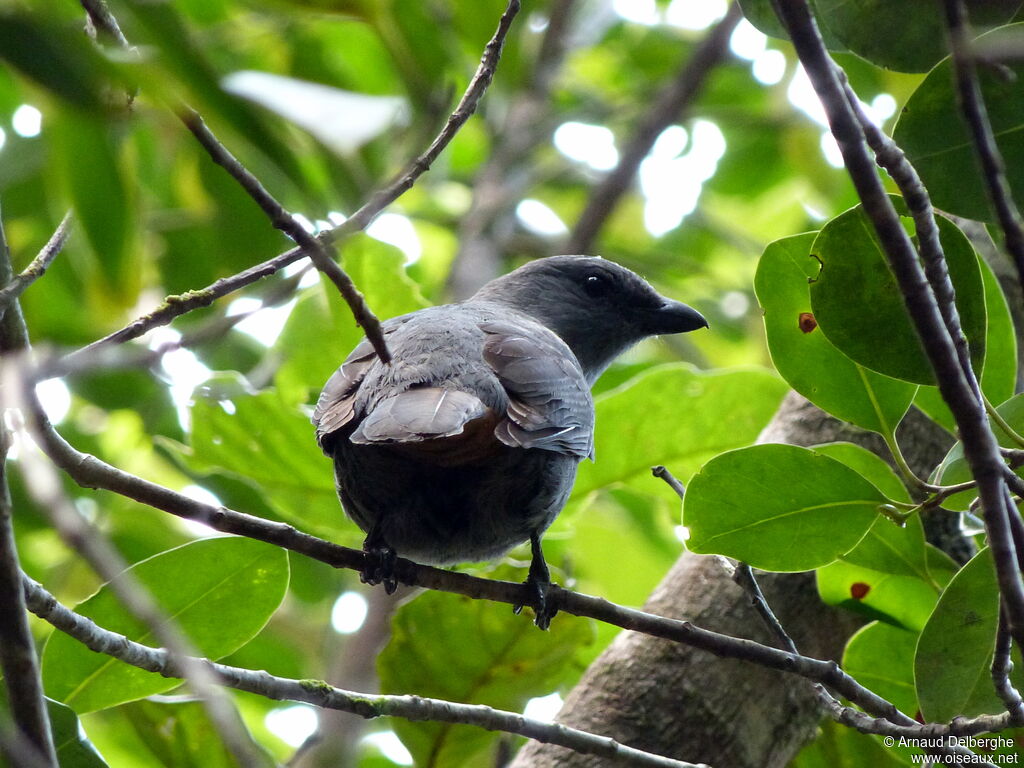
18, 660
284, 221
667, 108
44, 605
980, 446
976, 115
17, 284
103, 20
175, 306
744, 576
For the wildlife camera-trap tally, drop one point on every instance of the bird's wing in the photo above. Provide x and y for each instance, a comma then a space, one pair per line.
419, 414
446, 424
335, 407
550, 405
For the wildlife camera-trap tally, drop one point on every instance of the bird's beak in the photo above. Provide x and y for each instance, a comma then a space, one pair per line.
674, 317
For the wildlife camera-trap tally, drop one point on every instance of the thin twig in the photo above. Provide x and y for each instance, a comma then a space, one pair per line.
744, 576
44, 605
980, 447
103, 20
972, 105
663, 473
281, 219
175, 306
667, 108
1002, 665
17, 284
17, 750
18, 660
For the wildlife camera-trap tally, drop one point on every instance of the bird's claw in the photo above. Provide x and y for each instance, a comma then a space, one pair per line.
545, 608
379, 566
538, 581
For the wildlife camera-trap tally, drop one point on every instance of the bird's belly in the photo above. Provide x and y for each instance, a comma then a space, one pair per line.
443, 515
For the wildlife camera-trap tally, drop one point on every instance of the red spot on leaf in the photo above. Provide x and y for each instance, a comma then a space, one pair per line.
859, 590
807, 322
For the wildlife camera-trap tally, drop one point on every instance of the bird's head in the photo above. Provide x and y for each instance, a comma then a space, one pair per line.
596, 306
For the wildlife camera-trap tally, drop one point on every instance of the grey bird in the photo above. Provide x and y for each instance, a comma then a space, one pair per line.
467, 443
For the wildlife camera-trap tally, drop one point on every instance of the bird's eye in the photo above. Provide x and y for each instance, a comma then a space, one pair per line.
596, 285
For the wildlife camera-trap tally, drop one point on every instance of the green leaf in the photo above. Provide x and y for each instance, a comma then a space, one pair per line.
91, 167
778, 507
999, 374
633, 432
179, 733
456, 648
219, 591
74, 750
908, 36
806, 359
932, 133
875, 330
839, 746
887, 547
59, 58
760, 14
881, 657
954, 654
270, 444
868, 464
903, 601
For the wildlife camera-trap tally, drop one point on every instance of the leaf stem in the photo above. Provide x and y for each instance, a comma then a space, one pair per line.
915, 482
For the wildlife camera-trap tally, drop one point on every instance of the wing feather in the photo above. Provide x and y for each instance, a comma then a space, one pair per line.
550, 405
415, 415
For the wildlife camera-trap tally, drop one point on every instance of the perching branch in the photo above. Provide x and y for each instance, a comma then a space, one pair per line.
174, 306
91, 472
984, 141
320, 694
980, 446
667, 108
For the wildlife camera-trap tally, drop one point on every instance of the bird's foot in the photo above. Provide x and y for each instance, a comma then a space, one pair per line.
379, 565
544, 607
539, 583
